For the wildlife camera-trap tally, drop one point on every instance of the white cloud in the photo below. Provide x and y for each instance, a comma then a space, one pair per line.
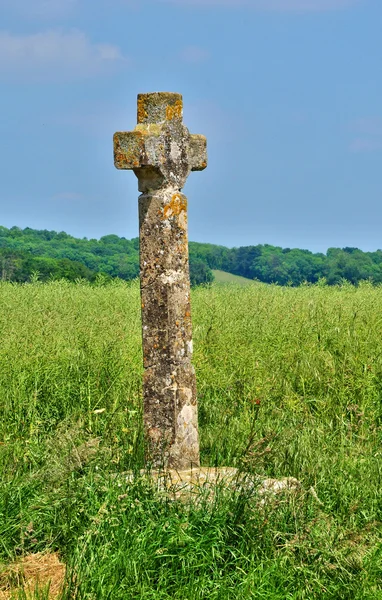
55, 55
274, 5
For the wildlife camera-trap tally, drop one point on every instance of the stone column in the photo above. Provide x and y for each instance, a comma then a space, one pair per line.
162, 152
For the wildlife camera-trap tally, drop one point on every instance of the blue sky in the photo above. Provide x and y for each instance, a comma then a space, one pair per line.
288, 93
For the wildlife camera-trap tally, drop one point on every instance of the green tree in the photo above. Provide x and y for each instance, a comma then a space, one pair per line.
200, 273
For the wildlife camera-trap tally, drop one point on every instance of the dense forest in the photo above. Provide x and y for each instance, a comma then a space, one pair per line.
48, 254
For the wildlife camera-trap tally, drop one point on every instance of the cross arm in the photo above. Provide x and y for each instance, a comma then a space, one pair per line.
129, 149
198, 152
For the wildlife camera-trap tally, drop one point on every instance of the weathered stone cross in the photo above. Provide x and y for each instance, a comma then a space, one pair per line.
162, 153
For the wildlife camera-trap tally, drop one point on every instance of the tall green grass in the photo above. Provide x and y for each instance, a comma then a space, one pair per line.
289, 383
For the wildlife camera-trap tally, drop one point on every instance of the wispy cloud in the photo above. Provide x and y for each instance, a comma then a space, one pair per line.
55, 55
194, 54
367, 135
274, 5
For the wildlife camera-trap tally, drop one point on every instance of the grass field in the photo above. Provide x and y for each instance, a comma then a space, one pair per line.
290, 384
224, 277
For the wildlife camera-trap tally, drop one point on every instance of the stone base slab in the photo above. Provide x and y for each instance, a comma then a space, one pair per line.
204, 482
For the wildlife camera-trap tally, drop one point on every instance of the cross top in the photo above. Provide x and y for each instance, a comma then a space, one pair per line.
161, 151
159, 107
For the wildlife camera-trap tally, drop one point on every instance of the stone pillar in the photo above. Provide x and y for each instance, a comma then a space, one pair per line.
162, 152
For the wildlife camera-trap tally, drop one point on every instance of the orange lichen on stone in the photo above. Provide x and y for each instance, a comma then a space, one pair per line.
174, 111
141, 110
128, 148
158, 107
177, 204
119, 157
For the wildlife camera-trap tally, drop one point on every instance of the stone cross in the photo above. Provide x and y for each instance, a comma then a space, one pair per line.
162, 153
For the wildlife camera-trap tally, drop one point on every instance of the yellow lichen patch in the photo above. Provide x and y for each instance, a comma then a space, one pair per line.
142, 129
141, 112
149, 128
177, 204
174, 111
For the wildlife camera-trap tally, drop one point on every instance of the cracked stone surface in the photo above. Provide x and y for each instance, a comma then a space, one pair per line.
162, 153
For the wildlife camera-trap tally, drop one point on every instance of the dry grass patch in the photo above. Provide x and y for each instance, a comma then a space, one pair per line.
31, 573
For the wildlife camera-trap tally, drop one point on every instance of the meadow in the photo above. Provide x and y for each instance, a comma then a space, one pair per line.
289, 385
225, 277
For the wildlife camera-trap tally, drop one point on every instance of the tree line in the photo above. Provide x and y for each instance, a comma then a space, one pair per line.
53, 255
50, 254
287, 266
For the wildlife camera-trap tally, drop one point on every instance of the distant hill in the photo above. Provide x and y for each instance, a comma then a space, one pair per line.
53, 254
